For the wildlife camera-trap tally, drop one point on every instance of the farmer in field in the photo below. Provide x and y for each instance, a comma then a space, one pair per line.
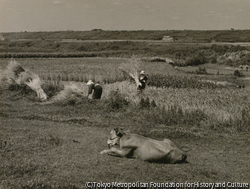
142, 81
97, 89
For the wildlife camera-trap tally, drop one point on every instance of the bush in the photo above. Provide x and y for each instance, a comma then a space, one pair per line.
237, 73
51, 88
212, 58
145, 103
219, 49
153, 104
117, 100
236, 48
197, 60
23, 89
201, 71
158, 59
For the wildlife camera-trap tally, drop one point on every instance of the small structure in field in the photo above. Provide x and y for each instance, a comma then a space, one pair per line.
161, 59
157, 59
168, 38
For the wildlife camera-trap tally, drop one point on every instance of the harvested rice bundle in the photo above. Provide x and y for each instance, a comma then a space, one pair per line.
131, 68
16, 74
70, 91
11, 73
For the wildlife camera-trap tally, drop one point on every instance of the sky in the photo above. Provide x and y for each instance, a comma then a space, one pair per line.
83, 15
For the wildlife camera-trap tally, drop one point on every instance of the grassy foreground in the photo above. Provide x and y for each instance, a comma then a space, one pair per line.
56, 146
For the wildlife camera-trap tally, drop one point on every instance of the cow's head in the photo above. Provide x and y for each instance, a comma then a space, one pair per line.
115, 136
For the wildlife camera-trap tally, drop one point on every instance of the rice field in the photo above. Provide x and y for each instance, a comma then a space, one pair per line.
223, 106
83, 69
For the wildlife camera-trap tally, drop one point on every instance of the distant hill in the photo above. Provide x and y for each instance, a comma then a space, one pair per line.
98, 34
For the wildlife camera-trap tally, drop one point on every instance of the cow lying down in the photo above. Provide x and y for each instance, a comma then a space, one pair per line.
147, 149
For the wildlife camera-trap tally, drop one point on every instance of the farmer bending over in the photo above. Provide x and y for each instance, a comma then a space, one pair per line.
142, 81
97, 90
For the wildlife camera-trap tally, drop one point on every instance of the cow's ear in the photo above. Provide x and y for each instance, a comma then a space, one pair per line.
120, 132
116, 130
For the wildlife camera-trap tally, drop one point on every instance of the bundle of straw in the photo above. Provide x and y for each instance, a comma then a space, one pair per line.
16, 74
34, 82
131, 68
70, 91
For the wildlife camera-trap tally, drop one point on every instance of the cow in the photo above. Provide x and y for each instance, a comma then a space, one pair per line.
144, 148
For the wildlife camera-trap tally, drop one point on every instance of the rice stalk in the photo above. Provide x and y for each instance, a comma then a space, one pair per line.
131, 68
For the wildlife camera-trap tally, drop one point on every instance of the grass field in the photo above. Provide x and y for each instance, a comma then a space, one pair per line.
97, 34
58, 145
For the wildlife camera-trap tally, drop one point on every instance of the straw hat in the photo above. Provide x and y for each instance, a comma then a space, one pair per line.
90, 82
142, 72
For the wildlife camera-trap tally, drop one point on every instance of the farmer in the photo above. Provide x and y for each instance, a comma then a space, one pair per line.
142, 81
97, 90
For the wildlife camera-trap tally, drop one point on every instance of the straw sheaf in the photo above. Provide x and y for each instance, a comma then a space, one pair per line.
131, 68
16, 74
71, 90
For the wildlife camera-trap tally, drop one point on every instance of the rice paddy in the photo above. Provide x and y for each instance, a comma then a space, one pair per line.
223, 106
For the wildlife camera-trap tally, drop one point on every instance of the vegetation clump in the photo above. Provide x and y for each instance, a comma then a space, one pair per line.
51, 88
170, 81
196, 60
146, 103
175, 115
201, 71
117, 100
237, 73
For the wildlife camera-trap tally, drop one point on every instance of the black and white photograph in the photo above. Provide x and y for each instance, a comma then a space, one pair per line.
111, 94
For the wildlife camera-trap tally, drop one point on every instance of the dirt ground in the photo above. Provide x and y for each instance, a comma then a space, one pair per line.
54, 146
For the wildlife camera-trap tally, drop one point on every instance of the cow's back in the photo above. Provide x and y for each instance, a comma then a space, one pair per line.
148, 149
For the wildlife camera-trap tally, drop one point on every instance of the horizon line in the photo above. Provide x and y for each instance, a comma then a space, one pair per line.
231, 29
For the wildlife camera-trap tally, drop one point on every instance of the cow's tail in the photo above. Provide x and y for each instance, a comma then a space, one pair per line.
185, 149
